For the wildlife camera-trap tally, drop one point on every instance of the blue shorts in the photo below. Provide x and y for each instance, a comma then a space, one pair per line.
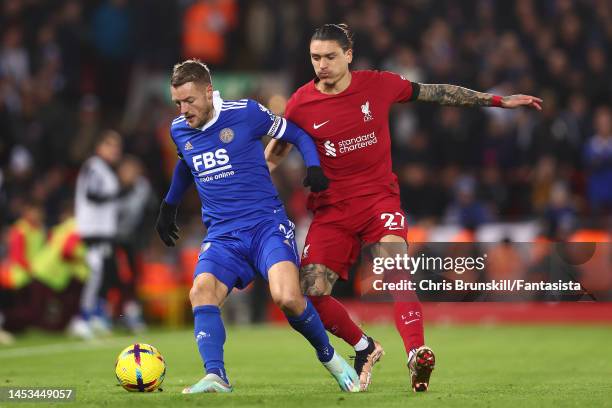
234, 258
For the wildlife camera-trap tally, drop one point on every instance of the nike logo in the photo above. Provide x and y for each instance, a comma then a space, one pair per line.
316, 126
410, 321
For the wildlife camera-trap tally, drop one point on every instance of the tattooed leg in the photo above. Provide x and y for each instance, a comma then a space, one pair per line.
317, 283
317, 280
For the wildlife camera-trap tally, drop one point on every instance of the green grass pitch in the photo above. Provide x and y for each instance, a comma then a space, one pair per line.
270, 366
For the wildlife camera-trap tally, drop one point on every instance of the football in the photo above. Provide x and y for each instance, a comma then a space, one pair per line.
140, 368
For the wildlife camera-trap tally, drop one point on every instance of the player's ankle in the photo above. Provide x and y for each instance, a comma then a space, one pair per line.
219, 372
362, 344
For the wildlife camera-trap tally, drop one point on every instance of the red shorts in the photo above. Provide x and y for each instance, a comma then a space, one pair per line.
339, 230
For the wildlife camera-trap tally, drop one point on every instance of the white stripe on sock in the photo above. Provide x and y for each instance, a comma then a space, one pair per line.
362, 344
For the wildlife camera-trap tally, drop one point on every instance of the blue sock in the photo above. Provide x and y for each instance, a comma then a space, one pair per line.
210, 337
100, 310
310, 326
85, 315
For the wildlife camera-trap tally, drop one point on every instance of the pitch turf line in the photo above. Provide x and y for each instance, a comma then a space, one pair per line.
478, 366
86, 345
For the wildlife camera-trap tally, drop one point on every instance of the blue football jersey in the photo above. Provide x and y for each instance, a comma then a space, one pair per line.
227, 162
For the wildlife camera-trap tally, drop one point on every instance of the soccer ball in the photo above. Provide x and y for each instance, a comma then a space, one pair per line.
140, 368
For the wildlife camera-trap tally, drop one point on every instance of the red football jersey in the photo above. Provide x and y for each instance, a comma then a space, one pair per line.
351, 131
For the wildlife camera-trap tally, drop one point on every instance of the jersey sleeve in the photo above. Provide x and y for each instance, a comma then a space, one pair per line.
263, 122
178, 151
181, 181
304, 143
290, 108
397, 88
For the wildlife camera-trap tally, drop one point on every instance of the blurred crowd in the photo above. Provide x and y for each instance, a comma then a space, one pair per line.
70, 70
476, 166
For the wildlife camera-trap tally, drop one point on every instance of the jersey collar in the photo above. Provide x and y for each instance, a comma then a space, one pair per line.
217, 102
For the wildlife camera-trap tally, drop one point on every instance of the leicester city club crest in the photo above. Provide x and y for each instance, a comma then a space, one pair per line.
226, 135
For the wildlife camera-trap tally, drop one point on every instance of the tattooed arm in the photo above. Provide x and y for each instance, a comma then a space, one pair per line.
453, 95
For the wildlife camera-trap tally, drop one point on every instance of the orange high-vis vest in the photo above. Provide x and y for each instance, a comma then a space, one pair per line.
62, 259
25, 242
205, 24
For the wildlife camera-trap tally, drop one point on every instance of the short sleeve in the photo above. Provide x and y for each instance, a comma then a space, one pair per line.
397, 88
290, 108
263, 122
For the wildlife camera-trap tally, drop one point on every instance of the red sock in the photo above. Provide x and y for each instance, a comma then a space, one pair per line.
336, 319
409, 324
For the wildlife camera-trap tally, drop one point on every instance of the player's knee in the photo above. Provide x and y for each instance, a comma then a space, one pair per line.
203, 294
290, 304
314, 289
195, 295
314, 280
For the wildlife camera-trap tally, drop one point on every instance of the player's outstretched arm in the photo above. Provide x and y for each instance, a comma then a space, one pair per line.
315, 178
453, 95
276, 151
166, 220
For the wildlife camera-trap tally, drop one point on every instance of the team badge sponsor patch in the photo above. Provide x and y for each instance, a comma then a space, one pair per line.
188, 146
367, 113
330, 148
226, 135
